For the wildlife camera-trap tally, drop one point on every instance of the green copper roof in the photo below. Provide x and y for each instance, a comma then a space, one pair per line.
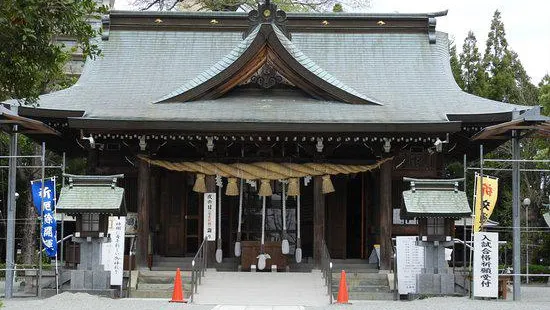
91, 195
435, 198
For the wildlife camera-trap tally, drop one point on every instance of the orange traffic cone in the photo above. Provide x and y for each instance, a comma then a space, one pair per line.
177, 294
342, 290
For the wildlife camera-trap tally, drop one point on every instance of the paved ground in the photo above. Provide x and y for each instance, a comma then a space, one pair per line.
533, 298
262, 288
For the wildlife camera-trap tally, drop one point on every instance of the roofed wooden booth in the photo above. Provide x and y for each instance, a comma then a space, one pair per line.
436, 203
92, 199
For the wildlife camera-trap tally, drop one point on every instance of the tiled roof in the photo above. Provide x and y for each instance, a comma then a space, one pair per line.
435, 198
91, 196
410, 76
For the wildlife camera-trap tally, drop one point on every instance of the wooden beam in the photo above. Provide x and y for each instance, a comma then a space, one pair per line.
143, 209
386, 214
318, 219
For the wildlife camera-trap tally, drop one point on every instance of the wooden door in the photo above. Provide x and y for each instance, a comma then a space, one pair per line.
173, 204
192, 222
336, 214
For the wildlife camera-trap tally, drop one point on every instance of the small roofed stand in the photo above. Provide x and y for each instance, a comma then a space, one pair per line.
436, 204
91, 199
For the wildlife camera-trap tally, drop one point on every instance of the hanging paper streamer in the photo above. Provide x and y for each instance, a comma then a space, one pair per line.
285, 247
238, 243
46, 197
298, 252
263, 256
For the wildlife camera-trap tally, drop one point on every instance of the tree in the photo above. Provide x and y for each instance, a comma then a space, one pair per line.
455, 65
30, 57
233, 5
544, 94
507, 79
471, 66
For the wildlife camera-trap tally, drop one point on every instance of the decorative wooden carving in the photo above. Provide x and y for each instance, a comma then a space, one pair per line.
267, 13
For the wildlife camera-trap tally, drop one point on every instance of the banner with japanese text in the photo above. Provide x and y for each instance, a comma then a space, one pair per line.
486, 264
112, 252
488, 191
44, 202
209, 224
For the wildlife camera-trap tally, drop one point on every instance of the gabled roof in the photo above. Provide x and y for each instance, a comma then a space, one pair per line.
266, 44
92, 194
435, 198
392, 63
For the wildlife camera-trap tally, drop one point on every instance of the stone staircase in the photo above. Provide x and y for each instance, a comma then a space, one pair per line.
363, 280
281, 289
160, 284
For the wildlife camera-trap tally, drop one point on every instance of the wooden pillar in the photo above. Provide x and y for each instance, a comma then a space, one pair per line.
386, 214
318, 219
143, 209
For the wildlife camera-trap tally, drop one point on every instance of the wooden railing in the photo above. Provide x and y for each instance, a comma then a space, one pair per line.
198, 267
326, 269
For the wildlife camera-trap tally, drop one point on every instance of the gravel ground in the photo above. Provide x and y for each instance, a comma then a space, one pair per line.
532, 298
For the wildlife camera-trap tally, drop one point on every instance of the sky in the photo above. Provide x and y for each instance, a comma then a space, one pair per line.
526, 22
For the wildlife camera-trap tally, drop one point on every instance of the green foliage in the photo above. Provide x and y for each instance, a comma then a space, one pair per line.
471, 66
30, 57
455, 66
337, 8
507, 79
544, 94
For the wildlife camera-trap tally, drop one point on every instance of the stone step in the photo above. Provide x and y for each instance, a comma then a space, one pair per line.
162, 277
171, 259
161, 286
363, 281
367, 296
350, 261
157, 294
365, 288
186, 268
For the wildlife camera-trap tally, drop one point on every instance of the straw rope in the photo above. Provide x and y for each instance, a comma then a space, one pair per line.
263, 170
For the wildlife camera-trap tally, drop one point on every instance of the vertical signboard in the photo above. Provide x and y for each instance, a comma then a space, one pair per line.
486, 264
210, 216
410, 261
113, 252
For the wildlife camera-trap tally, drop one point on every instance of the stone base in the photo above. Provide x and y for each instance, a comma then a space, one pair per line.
110, 293
435, 284
90, 280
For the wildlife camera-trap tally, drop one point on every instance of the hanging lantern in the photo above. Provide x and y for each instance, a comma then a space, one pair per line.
232, 188
200, 185
293, 187
327, 185
265, 188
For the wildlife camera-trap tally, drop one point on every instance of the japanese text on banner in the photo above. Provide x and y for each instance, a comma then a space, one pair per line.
44, 202
483, 210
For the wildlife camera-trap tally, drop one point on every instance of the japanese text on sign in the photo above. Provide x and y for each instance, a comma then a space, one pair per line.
486, 264
210, 216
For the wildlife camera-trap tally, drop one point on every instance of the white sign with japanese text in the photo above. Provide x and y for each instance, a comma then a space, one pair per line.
486, 264
410, 261
210, 216
113, 252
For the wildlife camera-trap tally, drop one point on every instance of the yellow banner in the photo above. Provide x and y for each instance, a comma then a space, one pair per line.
489, 190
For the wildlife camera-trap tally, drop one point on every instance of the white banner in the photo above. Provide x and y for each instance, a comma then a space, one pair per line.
410, 261
209, 216
113, 252
486, 264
